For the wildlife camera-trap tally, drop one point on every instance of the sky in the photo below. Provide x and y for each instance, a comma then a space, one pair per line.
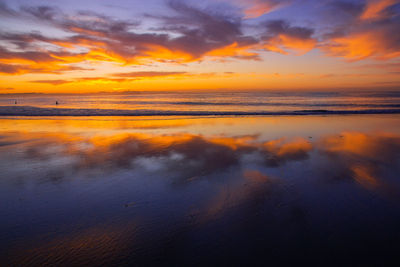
71, 46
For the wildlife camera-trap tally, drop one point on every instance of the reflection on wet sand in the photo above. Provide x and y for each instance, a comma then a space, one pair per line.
365, 158
183, 198
351, 151
196, 154
255, 186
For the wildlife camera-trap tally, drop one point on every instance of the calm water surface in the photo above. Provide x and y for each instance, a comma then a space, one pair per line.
183, 191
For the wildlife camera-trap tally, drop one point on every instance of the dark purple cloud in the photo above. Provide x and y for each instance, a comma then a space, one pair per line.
276, 27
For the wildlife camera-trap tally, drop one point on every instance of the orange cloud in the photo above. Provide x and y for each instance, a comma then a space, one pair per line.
301, 45
234, 50
370, 32
257, 8
284, 42
375, 9
362, 45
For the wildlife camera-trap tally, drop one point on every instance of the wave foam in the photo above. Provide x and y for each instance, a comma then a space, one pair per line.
35, 111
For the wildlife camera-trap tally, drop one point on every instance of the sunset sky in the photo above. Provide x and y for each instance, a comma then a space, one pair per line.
71, 46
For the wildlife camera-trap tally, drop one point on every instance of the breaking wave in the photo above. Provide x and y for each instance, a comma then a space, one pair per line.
36, 111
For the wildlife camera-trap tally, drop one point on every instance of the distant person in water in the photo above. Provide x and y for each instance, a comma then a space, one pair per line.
15, 102
56, 102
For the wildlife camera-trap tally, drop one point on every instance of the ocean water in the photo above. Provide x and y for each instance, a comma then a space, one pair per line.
190, 103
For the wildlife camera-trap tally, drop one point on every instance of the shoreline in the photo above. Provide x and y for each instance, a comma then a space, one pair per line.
31, 111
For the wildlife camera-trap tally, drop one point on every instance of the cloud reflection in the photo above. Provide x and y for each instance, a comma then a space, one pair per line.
366, 159
184, 156
255, 204
256, 188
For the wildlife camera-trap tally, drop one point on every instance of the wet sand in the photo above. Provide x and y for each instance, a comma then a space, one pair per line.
200, 190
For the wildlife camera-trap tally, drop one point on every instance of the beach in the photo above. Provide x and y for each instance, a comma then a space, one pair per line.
199, 190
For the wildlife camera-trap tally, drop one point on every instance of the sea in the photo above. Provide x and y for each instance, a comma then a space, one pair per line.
201, 103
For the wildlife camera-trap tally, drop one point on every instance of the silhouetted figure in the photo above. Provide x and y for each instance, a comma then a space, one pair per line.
15, 102
56, 102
